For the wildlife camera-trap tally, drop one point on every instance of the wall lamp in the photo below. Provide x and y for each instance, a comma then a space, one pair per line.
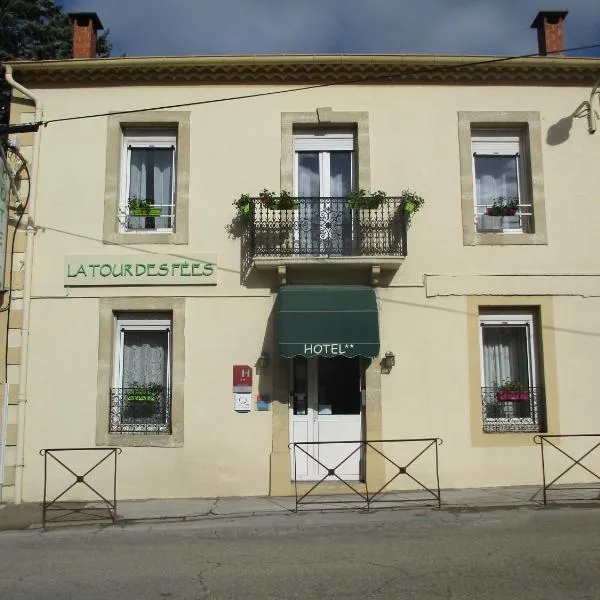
389, 360
263, 360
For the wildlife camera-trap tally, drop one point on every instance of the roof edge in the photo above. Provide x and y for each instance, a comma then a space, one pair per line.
273, 68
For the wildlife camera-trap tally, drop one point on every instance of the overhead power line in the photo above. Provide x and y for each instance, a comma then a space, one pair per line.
415, 71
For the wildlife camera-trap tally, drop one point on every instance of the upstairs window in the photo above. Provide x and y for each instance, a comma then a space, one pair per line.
501, 193
147, 199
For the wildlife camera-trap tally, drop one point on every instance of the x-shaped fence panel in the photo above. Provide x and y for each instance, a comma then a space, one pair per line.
368, 450
80, 477
571, 460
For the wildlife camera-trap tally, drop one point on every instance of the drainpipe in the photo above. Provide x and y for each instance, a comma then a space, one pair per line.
30, 232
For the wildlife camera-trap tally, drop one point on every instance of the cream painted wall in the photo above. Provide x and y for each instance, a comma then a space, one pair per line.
225, 453
235, 148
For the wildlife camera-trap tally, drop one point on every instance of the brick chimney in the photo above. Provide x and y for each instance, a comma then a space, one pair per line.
549, 25
85, 26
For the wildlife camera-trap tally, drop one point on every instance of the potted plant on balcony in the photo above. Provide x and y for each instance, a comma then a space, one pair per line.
500, 215
511, 390
360, 199
142, 207
243, 205
285, 201
412, 203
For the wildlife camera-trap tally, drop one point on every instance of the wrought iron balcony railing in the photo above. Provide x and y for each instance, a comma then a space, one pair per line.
513, 411
140, 410
328, 227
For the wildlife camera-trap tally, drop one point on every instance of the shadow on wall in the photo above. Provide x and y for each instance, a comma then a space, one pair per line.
266, 360
240, 228
560, 131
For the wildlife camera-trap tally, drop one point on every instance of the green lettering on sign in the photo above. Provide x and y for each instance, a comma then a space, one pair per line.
83, 271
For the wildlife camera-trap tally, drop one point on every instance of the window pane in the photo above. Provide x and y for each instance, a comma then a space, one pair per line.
495, 177
145, 358
341, 173
151, 178
308, 175
505, 354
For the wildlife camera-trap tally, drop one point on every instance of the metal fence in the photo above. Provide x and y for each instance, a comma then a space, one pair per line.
62, 510
557, 483
370, 451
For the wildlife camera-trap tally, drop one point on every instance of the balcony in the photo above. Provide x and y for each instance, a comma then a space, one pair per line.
328, 232
513, 411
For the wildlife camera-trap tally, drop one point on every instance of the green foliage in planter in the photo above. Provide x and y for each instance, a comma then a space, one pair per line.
142, 207
137, 392
243, 205
361, 199
412, 202
512, 385
503, 207
270, 200
285, 201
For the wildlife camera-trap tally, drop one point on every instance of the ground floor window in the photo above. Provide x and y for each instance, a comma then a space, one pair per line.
511, 372
140, 400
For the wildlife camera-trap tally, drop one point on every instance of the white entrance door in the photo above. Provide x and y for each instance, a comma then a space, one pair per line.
326, 407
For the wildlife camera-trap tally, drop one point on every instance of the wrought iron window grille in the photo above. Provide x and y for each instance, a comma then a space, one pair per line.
516, 411
137, 411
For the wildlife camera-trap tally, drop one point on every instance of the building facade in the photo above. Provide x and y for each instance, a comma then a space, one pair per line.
156, 266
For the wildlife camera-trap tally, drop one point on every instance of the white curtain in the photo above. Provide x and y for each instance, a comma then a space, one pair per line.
145, 358
505, 354
151, 176
309, 191
495, 177
340, 166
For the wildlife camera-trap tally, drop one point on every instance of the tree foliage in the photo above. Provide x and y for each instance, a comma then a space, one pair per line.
36, 30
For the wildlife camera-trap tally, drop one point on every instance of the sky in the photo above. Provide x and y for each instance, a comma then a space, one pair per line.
209, 27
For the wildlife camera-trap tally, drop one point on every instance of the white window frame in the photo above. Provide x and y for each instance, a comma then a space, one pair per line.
515, 319
505, 142
141, 138
139, 322
324, 143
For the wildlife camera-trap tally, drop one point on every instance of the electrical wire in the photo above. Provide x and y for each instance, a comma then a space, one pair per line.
416, 71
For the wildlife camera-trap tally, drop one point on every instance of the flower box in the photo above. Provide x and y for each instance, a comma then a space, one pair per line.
142, 397
145, 212
513, 396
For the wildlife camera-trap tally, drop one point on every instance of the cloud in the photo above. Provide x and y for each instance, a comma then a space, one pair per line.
187, 27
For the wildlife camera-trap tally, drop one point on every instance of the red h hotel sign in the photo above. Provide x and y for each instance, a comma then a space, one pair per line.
242, 378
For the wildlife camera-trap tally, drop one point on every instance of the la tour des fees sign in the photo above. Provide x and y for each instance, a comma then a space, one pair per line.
141, 269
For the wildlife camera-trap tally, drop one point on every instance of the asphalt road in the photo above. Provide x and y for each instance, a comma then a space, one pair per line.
422, 554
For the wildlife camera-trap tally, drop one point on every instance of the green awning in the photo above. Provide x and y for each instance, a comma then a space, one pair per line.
327, 320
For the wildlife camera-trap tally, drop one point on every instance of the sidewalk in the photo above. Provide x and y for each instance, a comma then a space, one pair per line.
29, 515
